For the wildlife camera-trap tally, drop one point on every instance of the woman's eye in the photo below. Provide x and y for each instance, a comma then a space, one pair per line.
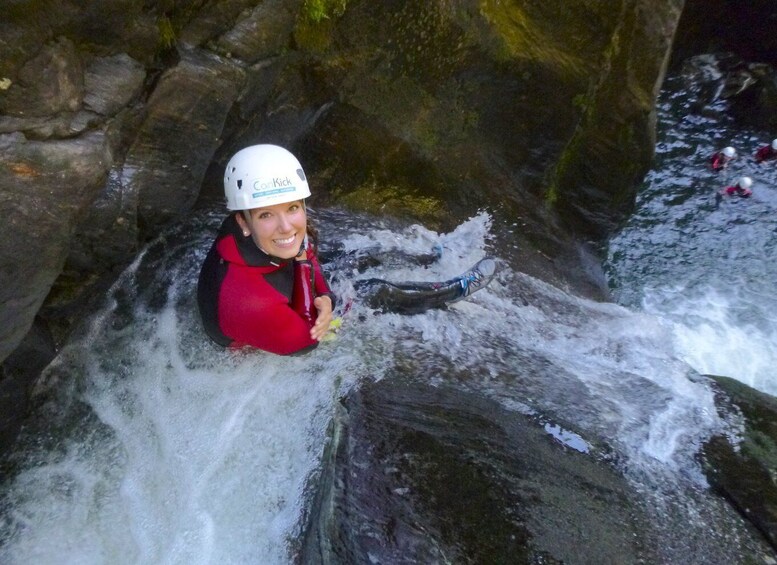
264, 215
293, 207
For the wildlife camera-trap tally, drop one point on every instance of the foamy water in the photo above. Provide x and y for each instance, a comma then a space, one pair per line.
715, 333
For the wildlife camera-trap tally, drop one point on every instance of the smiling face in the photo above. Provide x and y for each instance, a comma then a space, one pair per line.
277, 230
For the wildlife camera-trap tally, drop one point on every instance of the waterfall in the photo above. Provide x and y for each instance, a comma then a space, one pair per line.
153, 445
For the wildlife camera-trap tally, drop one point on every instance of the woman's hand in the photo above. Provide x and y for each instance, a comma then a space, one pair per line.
324, 306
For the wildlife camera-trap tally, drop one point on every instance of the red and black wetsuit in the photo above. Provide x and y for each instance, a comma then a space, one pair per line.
247, 297
719, 161
765, 153
737, 190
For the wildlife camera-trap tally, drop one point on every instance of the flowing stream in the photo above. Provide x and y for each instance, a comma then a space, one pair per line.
152, 445
707, 271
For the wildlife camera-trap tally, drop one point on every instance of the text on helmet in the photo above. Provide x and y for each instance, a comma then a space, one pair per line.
273, 186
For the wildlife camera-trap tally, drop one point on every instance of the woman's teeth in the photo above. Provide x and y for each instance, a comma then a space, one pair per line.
284, 241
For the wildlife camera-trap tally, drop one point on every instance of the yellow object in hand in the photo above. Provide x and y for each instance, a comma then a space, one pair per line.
334, 327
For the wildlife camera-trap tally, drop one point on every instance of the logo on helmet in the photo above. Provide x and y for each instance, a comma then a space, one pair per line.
272, 187
277, 182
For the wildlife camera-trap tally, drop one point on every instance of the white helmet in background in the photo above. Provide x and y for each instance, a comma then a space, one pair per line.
774, 144
729, 152
745, 182
263, 175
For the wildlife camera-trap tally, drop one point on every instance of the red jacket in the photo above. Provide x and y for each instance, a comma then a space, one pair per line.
247, 298
738, 191
719, 161
764, 153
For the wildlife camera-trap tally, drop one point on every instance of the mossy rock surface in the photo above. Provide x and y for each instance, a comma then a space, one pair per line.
745, 470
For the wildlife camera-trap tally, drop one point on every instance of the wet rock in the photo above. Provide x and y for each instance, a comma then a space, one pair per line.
49, 83
212, 20
758, 105
266, 30
107, 234
45, 188
100, 27
744, 469
422, 474
163, 150
184, 117
17, 376
723, 82
595, 181
63, 125
111, 83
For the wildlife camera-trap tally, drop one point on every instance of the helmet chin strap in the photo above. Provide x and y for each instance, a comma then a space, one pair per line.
304, 245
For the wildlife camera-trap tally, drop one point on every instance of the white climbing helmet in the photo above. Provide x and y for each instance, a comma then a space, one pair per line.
774, 144
745, 182
729, 152
263, 175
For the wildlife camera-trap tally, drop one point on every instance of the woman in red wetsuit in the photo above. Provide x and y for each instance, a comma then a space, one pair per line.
721, 159
261, 284
741, 189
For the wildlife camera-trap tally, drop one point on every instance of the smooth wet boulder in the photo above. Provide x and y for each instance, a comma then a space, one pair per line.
424, 474
744, 469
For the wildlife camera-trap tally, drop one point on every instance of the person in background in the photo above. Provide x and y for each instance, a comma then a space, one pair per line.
722, 158
766, 152
741, 189
261, 284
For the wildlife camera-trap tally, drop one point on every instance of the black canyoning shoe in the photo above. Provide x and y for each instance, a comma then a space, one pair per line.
417, 297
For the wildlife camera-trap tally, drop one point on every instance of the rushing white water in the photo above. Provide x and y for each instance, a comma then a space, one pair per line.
190, 454
168, 449
716, 335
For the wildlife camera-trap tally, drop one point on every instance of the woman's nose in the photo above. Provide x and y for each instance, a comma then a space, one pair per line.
284, 223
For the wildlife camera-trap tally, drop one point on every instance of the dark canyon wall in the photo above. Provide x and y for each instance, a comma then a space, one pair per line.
116, 115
